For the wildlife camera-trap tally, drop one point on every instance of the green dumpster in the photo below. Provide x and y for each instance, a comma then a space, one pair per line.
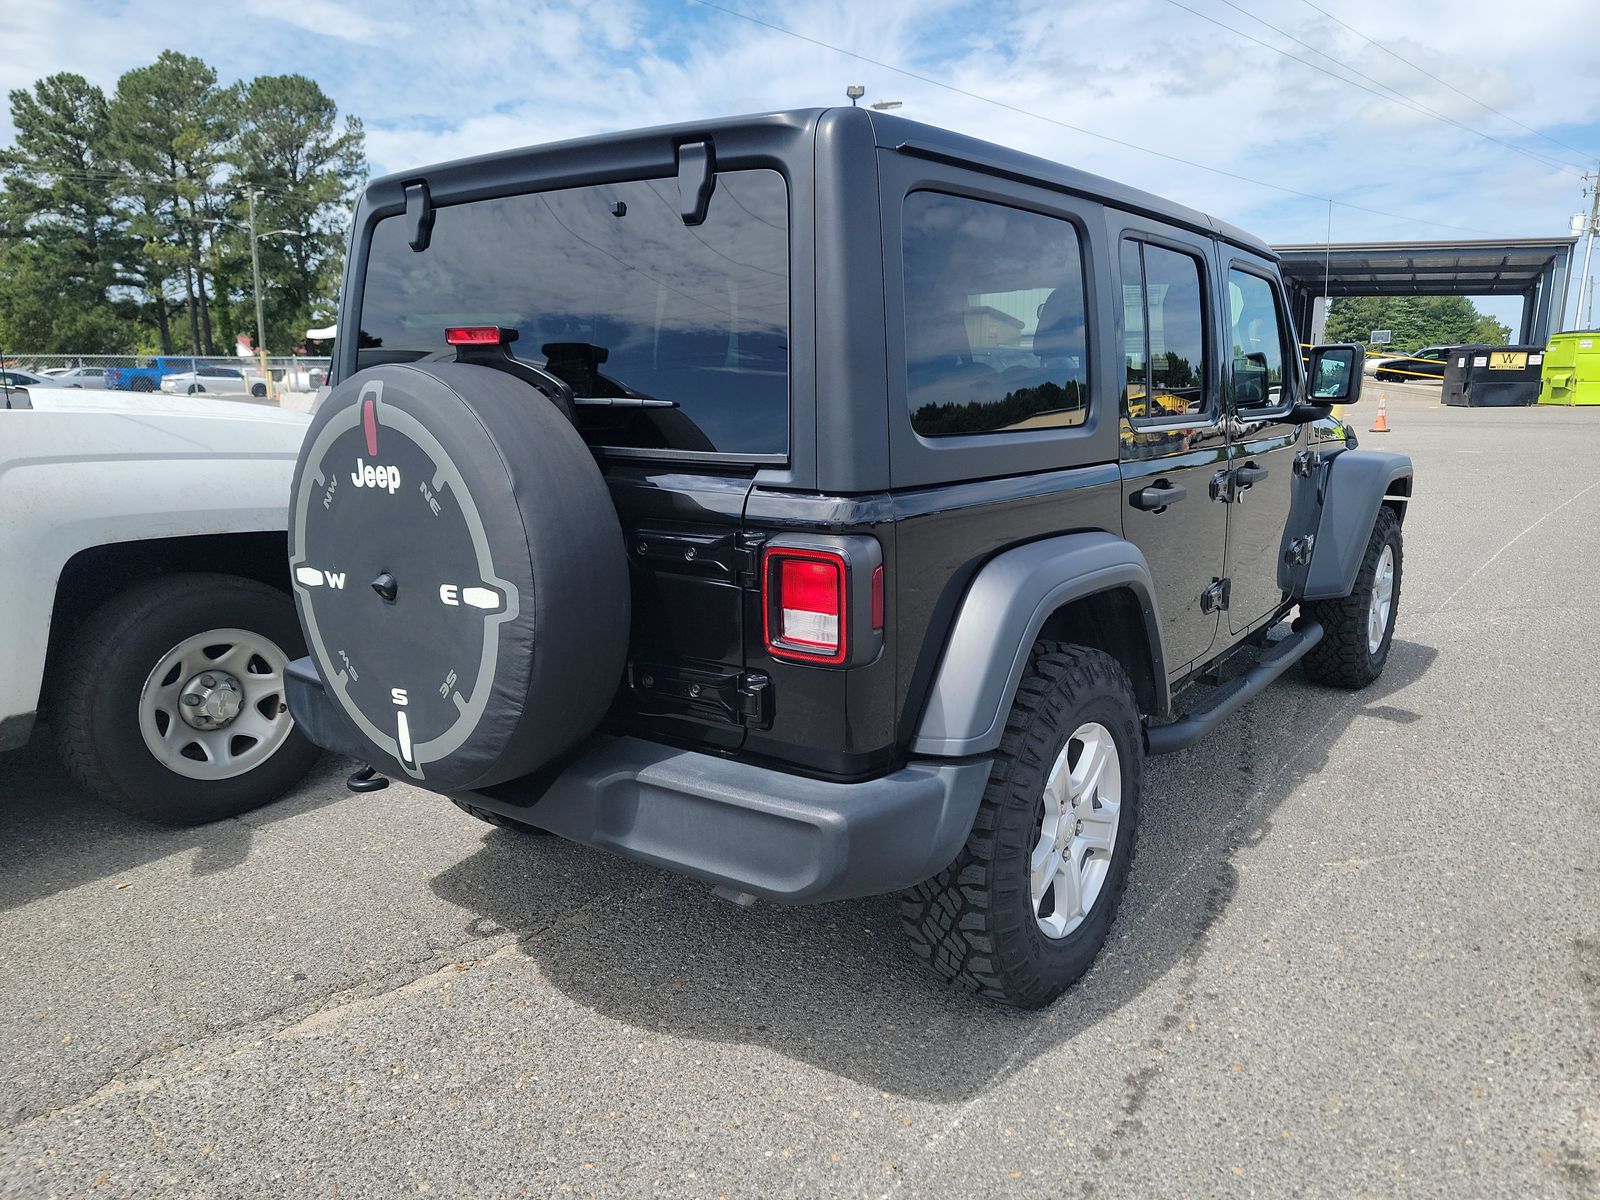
1572, 369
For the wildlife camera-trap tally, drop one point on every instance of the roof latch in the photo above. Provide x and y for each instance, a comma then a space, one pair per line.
419, 216
697, 176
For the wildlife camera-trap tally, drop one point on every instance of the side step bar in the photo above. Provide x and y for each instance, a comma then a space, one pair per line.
1185, 732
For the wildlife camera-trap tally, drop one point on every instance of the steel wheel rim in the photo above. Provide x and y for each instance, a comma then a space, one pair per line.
1077, 839
1382, 600
243, 741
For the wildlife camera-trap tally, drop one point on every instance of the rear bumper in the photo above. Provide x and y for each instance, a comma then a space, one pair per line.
750, 828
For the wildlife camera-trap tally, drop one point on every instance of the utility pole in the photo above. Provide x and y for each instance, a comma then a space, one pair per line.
255, 279
1585, 319
255, 276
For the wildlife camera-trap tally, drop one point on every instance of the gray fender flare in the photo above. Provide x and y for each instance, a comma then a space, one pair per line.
999, 619
1356, 484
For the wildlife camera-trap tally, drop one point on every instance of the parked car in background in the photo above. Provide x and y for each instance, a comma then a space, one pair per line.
22, 379
216, 381
1426, 363
147, 376
79, 377
144, 578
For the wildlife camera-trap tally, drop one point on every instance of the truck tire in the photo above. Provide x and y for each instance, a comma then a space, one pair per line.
143, 660
460, 572
142, 383
1064, 790
1358, 629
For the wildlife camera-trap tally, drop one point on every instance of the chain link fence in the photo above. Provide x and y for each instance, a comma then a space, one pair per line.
144, 372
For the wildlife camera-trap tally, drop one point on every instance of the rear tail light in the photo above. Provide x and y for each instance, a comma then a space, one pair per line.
805, 599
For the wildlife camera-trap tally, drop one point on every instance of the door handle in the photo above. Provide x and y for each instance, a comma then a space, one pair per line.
1157, 496
1249, 473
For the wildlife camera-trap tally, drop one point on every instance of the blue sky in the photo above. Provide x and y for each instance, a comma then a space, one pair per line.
1499, 154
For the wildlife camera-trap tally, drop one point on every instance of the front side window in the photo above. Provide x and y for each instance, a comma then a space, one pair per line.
994, 310
1164, 330
1257, 333
685, 329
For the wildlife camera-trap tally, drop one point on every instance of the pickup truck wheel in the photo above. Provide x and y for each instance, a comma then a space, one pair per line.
1358, 629
494, 818
169, 702
141, 384
1027, 904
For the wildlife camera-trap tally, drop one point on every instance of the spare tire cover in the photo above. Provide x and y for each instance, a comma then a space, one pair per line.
459, 571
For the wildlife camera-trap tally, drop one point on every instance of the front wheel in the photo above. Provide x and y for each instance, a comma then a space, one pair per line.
1358, 629
169, 701
1028, 903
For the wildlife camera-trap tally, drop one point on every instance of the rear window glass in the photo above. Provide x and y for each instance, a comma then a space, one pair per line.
686, 326
994, 301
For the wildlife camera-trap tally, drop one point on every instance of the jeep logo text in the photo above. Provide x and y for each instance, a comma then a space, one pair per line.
373, 476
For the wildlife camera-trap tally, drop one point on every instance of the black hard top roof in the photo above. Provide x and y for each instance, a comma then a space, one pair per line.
890, 133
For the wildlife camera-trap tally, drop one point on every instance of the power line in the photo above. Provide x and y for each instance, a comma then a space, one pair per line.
1398, 98
1409, 99
1586, 154
1104, 137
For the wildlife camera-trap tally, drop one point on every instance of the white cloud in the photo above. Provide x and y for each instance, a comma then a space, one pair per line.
327, 18
444, 78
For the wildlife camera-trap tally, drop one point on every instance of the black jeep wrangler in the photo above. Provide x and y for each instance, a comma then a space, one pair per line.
821, 504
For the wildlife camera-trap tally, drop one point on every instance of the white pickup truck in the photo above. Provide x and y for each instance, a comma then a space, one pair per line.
144, 588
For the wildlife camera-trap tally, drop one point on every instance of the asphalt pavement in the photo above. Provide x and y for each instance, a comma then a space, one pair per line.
1360, 955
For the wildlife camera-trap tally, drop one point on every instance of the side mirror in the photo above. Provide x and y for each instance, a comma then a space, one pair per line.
1333, 374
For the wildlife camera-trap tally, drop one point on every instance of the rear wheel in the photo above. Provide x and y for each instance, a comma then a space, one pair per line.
1028, 903
141, 384
169, 700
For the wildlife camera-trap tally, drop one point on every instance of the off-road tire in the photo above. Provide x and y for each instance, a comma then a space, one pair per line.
141, 384
973, 923
494, 818
1342, 658
95, 697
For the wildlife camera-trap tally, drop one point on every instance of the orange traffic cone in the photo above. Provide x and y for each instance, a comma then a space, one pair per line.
1381, 425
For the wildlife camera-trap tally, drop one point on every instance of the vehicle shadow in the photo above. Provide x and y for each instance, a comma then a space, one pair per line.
55, 836
836, 987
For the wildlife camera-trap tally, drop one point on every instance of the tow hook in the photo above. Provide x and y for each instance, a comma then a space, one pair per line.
367, 779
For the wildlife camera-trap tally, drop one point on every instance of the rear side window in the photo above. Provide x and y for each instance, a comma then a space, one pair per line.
1164, 321
683, 329
994, 304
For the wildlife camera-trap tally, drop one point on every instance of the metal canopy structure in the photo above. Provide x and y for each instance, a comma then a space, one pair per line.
1537, 269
